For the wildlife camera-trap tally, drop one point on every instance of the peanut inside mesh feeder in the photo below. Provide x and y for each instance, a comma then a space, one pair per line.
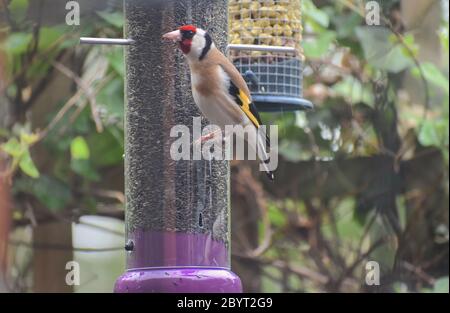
265, 45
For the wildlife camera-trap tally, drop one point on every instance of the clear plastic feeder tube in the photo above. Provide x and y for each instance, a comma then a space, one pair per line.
177, 212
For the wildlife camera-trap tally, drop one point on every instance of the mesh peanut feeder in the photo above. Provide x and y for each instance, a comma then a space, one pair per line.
265, 45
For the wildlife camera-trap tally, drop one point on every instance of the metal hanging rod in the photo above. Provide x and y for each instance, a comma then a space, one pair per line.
263, 48
106, 41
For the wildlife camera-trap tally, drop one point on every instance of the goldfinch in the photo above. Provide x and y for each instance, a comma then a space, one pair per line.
218, 88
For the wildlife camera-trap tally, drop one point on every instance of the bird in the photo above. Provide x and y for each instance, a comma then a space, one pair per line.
219, 90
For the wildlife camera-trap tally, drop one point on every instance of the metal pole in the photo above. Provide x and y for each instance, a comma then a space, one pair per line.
106, 41
177, 214
263, 48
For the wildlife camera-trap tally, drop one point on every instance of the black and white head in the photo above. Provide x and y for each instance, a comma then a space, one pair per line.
194, 42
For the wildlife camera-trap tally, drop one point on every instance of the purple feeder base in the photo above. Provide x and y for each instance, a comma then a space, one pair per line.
179, 280
175, 262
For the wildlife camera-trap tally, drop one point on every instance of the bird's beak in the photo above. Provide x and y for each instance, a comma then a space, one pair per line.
174, 36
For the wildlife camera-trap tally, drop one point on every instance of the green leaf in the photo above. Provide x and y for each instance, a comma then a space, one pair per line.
18, 9
346, 24
441, 285
276, 216
49, 35
433, 75
17, 43
106, 149
69, 43
114, 18
380, 51
320, 46
29, 139
292, 151
52, 193
434, 133
111, 99
443, 36
84, 168
26, 164
347, 226
79, 149
12, 147
353, 91
116, 60
410, 43
312, 12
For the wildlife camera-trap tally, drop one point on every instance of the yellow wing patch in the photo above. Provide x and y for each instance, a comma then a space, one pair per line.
246, 108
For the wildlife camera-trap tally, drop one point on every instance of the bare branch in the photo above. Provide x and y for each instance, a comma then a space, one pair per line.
45, 246
87, 90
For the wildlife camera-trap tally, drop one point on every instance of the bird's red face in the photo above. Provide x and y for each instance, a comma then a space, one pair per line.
184, 36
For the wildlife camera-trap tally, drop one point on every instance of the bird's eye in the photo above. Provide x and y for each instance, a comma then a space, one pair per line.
188, 34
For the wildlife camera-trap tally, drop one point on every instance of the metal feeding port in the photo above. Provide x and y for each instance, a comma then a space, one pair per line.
265, 46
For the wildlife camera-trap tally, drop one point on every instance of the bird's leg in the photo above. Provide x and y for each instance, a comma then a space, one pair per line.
206, 137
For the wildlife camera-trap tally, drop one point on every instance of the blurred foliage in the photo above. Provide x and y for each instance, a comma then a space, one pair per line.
357, 77
78, 152
59, 155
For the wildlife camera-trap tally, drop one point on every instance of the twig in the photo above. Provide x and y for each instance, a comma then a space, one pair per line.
36, 32
276, 280
400, 39
299, 270
113, 194
7, 15
71, 102
87, 90
267, 240
45, 246
349, 271
419, 272
421, 73
366, 232
100, 86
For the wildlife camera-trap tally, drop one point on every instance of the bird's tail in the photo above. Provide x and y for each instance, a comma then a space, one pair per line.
262, 145
269, 173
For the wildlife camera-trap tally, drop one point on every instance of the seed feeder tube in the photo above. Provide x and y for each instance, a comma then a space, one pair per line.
177, 212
